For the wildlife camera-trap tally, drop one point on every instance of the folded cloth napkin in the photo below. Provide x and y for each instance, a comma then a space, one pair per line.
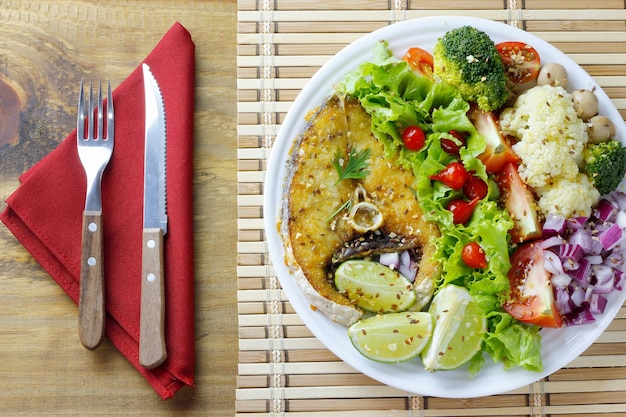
45, 213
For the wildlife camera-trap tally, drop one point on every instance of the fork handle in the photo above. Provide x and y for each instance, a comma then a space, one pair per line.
91, 299
152, 351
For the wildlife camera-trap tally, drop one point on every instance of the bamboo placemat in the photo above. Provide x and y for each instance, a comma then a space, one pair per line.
283, 368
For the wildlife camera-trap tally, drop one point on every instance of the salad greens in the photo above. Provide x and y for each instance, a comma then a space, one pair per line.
396, 97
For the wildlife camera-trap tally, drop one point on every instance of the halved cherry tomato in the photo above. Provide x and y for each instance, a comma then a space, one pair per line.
451, 146
413, 138
462, 210
453, 175
420, 61
520, 202
474, 256
498, 152
521, 61
475, 187
532, 298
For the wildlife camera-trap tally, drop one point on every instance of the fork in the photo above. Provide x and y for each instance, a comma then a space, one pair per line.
94, 150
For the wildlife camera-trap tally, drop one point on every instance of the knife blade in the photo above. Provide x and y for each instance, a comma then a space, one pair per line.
152, 349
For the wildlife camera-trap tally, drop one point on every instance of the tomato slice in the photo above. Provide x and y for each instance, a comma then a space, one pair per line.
420, 61
474, 256
521, 61
520, 203
498, 151
532, 298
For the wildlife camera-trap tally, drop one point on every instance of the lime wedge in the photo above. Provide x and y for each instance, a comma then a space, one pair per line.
459, 329
392, 337
374, 286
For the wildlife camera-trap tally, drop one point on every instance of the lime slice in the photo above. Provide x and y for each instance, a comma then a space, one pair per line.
459, 329
374, 286
392, 337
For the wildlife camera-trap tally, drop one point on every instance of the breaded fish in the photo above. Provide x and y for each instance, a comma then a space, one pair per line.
311, 226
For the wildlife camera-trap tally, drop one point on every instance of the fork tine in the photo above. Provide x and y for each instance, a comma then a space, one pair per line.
90, 118
80, 122
100, 113
110, 115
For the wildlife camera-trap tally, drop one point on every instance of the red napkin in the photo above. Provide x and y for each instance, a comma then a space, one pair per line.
45, 213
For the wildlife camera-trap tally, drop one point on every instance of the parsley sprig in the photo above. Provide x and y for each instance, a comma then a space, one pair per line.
354, 166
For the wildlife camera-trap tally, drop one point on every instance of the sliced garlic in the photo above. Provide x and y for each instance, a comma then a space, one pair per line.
365, 217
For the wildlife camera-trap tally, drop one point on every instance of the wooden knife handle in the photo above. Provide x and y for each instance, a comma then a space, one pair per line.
152, 351
91, 299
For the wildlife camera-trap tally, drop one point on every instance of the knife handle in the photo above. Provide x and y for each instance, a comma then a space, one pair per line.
152, 352
91, 297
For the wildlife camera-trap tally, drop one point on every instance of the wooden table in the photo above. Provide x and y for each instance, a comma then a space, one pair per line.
43, 367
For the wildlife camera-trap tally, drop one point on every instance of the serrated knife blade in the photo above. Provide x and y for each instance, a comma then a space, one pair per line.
152, 349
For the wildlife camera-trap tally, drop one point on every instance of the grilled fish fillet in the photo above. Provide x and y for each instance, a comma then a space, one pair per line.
312, 234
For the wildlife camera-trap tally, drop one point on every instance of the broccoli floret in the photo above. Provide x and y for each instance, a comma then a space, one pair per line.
468, 59
605, 164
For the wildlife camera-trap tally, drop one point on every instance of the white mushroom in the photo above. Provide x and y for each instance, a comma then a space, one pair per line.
600, 129
585, 103
553, 74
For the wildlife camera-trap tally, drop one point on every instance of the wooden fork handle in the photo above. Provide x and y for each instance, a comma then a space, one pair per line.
91, 311
152, 351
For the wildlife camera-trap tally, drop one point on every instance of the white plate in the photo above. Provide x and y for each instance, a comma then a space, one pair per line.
559, 346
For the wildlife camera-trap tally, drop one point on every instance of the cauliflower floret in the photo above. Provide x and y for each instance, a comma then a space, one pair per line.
570, 197
552, 139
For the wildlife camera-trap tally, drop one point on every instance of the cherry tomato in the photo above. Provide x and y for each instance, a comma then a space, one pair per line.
475, 187
413, 138
521, 61
420, 61
453, 175
451, 146
474, 256
462, 210
532, 298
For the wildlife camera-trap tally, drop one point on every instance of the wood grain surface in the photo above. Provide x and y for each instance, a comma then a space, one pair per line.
46, 47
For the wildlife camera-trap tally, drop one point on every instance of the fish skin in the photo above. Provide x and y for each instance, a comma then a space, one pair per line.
313, 195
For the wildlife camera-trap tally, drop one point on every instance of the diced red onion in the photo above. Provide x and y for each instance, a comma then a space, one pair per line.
552, 242
563, 300
605, 210
620, 278
391, 259
583, 239
577, 296
586, 258
594, 259
407, 267
552, 263
571, 251
597, 303
611, 237
619, 198
554, 225
582, 274
579, 316
577, 222
560, 280
620, 219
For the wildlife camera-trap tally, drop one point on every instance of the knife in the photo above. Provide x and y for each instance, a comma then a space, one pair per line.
152, 349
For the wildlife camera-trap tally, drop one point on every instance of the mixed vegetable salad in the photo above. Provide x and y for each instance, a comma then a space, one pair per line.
524, 268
